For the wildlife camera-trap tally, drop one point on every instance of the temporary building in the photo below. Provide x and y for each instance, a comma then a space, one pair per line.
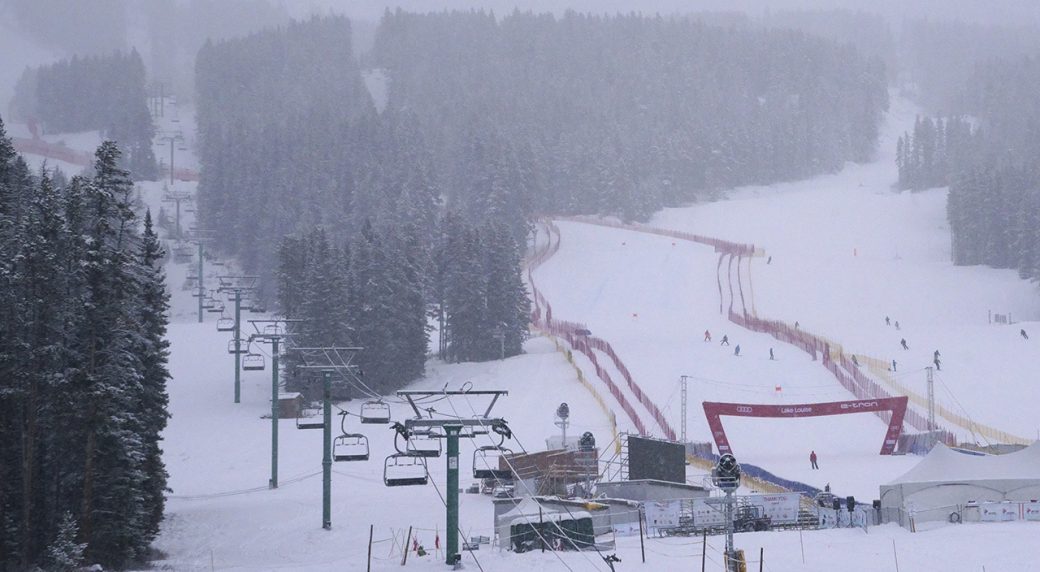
530, 524
947, 482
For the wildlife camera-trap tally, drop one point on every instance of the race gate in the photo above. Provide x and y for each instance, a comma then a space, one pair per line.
895, 406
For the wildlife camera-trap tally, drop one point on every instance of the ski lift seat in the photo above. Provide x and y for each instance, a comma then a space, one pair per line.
375, 412
424, 446
310, 418
231, 348
253, 362
486, 463
226, 325
350, 447
400, 470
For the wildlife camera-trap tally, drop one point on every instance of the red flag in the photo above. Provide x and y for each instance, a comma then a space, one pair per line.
437, 541
415, 544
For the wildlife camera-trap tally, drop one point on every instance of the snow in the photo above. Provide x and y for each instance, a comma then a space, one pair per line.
844, 256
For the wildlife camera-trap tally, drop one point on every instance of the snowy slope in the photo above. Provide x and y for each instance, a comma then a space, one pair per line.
652, 300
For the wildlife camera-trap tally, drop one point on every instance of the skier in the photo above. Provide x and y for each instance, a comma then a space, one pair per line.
1023, 333
812, 460
736, 350
855, 361
936, 354
796, 324
903, 343
897, 324
707, 336
771, 354
887, 321
769, 260
725, 341
937, 366
893, 365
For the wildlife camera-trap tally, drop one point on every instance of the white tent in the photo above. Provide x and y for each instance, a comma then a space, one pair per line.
945, 480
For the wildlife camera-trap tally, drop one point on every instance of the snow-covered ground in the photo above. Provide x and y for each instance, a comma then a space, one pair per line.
847, 251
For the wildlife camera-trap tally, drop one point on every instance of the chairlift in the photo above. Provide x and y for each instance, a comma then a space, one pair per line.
258, 308
215, 307
401, 470
311, 417
350, 447
423, 445
226, 325
273, 330
208, 303
253, 362
241, 347
375, 412
486, 463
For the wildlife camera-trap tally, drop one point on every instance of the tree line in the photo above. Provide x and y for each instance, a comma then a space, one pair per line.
105, 93
382, 288
83, 359
489, 123
622, 114
927, 157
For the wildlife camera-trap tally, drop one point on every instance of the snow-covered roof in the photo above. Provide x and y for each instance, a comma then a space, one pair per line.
944, 464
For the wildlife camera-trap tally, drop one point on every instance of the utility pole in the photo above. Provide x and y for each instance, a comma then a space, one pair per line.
931, 398
171, 139
275, 334
273, 483
202, 289
682, 408
453, 429
333, 359
326, 458
451, 529
235, 286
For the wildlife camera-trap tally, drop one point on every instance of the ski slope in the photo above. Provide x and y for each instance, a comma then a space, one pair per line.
844, 257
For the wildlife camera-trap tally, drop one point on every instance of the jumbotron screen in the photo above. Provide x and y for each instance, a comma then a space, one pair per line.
659, 460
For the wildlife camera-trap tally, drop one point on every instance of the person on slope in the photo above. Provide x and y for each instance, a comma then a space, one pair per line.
725, 340
903, 343
707, 336
812, 460
736, 351
855, 361
893, 365
1023, 333
771, 356
887, 321
937, 363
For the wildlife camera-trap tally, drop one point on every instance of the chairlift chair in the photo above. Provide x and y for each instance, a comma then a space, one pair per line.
424, 445
486, 463
215, 307
350, 447
253, 362
375, 412
241, 347
401, 470
273, 330
226, 325
310, 417
208, 303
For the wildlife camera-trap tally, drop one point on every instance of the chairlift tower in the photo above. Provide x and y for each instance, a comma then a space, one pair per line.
177, 197
274, 338
453, 429
236, 286
327, 360
200, 237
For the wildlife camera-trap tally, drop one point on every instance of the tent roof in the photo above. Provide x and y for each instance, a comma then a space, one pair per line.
944, 464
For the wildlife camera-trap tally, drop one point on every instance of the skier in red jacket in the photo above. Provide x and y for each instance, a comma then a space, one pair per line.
812, 460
